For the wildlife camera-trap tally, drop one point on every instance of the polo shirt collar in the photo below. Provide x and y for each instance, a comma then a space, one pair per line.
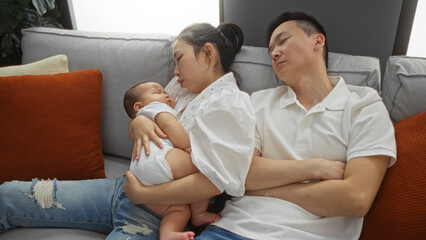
288, 98
335, 100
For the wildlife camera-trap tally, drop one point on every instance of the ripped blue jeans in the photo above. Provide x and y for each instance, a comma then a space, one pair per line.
99, 205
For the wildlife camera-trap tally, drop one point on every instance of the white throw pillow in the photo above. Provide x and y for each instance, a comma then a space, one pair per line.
52, 65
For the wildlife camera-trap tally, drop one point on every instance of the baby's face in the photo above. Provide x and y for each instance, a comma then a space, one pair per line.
154, 92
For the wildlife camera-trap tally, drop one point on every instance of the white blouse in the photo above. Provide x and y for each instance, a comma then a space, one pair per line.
220, 122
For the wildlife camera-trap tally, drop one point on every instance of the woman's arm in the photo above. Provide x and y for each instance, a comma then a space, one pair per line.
268, 173
351, 196
141, 131
186, 190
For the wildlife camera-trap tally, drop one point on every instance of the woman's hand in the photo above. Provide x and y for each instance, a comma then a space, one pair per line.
133, 188
141, 131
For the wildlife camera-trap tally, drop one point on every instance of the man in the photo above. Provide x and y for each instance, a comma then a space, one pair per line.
322, 118
314, 118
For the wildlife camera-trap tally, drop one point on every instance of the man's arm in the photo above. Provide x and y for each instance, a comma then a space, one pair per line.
173, 129
351, 196
268, 173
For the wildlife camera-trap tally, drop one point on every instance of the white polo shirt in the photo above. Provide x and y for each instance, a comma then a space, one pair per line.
350, 122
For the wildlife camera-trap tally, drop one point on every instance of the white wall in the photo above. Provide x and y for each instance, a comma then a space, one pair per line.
146, 16
417, 44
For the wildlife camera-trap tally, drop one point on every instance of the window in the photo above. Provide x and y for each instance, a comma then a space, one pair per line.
417, 44
145, 16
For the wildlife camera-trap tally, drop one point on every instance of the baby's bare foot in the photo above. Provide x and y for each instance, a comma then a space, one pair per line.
204, 218
180, 236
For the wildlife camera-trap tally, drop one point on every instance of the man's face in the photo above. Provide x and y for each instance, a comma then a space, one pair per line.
291, 51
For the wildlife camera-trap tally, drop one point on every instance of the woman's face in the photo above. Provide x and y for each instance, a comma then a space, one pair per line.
191, 70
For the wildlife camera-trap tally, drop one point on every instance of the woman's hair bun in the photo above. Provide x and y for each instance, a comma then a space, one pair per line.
228, 38
233, 33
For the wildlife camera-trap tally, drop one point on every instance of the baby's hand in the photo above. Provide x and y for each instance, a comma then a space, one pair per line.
188, 150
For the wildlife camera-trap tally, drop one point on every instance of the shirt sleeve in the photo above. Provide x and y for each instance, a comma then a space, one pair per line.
370, 129
254, 98
152, 109
222, 140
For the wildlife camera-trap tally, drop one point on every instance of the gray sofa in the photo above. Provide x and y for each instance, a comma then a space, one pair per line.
126, 59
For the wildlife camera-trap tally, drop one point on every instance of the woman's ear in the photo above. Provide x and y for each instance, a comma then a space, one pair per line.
210, 51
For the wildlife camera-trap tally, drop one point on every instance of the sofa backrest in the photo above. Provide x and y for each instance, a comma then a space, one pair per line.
124, 59
404, 86
253, 69
127, 59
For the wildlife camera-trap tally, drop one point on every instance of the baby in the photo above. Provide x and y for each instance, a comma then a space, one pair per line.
170, 162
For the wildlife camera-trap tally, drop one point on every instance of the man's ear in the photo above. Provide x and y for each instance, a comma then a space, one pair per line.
137, 106
319, 39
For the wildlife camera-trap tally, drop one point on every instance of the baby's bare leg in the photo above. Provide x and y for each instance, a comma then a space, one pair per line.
180, 163
175, 219
200, 216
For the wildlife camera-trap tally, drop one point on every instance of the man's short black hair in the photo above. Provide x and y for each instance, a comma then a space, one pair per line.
304, 21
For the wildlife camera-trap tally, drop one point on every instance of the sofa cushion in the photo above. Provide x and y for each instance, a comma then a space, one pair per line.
51, 65
115, 167
253, 69
404, 86
356, 70
125, 59
398, 211
50, 126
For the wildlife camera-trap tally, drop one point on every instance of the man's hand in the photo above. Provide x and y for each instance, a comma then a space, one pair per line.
350, 196
327, 169
268, 173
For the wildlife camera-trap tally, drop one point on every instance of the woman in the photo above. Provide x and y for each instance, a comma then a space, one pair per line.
218, 119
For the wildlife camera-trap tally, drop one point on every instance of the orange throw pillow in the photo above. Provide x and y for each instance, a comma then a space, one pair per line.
50, 126
399, 210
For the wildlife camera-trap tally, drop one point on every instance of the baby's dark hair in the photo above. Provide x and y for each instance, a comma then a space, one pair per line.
227, 38
130, 97
305, 22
